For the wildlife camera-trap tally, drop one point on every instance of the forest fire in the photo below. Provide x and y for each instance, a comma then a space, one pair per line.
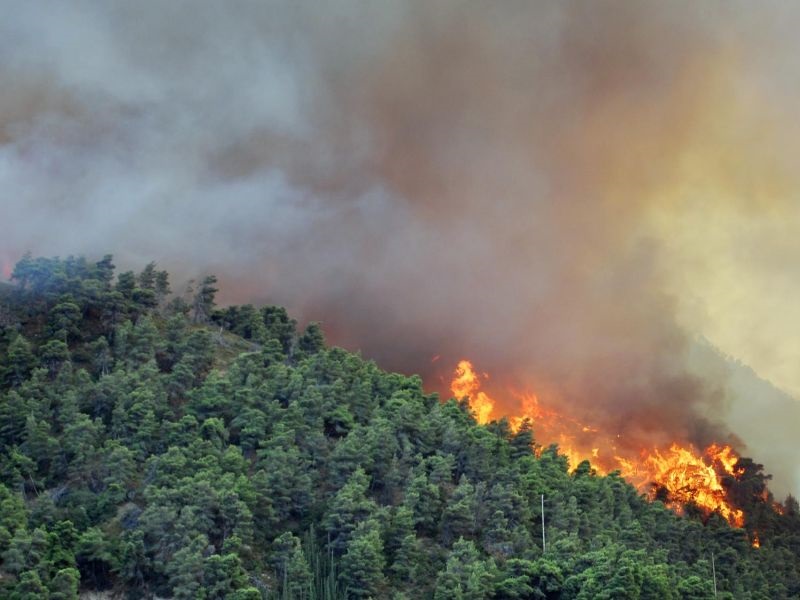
685, 476
678, 474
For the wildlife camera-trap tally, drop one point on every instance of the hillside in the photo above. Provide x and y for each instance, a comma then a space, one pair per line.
153, 445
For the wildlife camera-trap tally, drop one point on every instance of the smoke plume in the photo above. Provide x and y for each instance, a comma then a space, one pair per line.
568, 193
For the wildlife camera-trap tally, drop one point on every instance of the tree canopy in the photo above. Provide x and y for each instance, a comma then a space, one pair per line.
157, 445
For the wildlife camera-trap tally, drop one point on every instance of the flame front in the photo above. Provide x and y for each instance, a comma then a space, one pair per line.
686, 476
677, 474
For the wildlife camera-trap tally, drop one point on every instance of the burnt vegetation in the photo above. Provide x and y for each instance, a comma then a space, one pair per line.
153, 444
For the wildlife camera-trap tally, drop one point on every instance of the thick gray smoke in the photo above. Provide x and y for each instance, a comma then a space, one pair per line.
460, 179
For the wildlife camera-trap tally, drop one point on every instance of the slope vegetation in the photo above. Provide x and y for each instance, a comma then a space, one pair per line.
152, 445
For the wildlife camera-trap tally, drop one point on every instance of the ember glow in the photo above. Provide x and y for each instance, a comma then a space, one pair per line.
678, 474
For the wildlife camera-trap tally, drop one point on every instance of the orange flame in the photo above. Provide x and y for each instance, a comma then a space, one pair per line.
466, 384
677, 474
686, 476
726, 457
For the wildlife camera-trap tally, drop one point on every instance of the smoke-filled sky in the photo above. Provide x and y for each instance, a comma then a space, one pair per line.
574, 195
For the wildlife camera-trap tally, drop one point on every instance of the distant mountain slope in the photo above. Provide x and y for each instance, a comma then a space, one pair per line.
773, 442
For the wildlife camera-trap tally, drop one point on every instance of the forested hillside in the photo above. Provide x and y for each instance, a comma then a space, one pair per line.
154, 445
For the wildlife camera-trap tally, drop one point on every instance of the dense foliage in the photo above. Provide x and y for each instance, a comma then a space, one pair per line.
157, 446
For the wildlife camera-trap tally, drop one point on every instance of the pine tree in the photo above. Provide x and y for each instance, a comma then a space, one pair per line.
458, 517
19, 362
363, 562
349, 507
203, 300
465, 575
291, 567
64, 585
29, 587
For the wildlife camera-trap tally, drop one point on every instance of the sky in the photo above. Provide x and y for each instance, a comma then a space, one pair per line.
579, 197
